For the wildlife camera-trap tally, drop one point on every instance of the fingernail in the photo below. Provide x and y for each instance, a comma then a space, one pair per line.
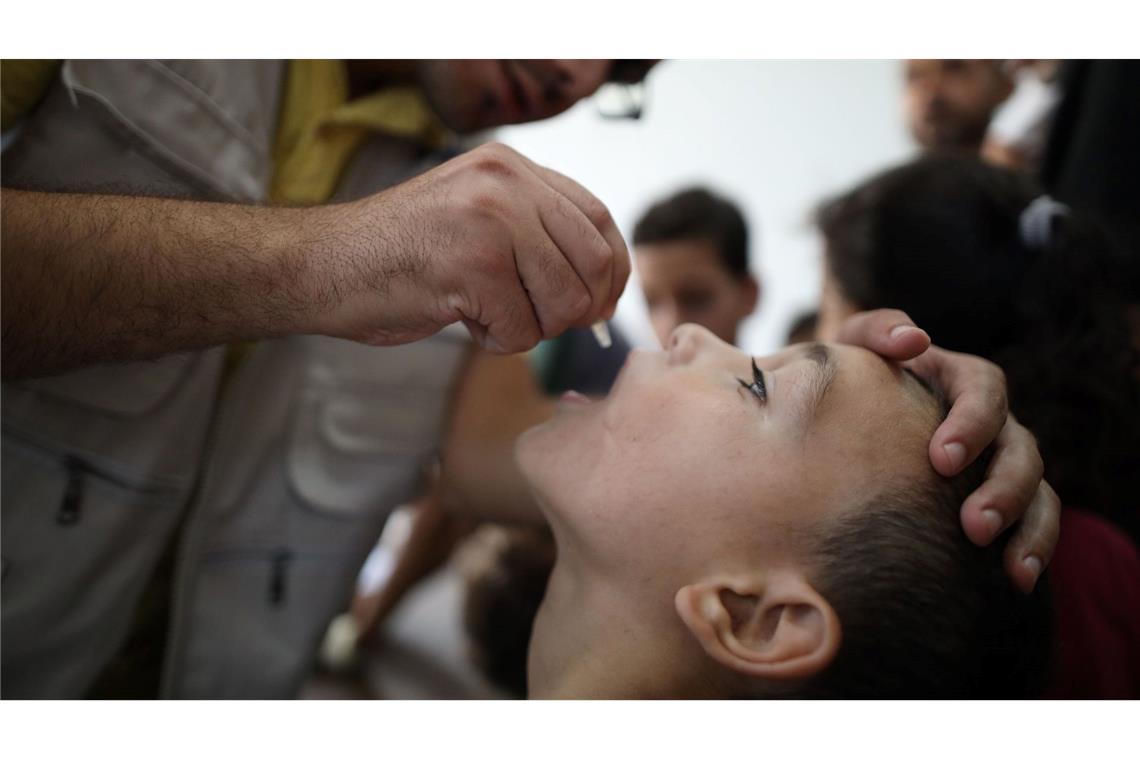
900, 330
956, 453
1033, 565
993, 522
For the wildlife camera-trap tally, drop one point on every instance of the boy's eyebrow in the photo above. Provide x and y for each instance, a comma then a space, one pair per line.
819, 381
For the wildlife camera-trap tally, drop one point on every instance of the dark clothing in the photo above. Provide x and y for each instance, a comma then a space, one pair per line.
1092, 157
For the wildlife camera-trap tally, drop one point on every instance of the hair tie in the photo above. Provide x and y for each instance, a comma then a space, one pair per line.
1037, 222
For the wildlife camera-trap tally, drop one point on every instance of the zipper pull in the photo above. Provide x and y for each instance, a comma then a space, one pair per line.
278, 576
68, 513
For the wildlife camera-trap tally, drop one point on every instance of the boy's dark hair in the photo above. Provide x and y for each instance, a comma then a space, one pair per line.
924, 613
698, 214
940, 239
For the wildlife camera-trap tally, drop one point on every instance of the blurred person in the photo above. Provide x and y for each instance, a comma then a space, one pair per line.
692, 257
730, 526
1092, 157
949, 103
995, 269
1020, 126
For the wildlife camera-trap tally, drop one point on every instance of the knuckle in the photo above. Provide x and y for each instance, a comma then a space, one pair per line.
894, 316
554, 324
498, 148
571, 308
990, 374
1052, 530
529, 336
1006, 502
596, 264
550, 264
496, 160
487, 267
974, 419
578, 303
597, 213
489, 202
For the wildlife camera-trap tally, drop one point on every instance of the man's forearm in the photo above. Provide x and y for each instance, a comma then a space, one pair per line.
95, 278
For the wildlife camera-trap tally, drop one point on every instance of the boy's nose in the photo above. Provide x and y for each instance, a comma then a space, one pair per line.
686, 343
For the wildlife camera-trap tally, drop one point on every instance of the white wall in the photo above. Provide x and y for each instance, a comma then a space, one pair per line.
775, 136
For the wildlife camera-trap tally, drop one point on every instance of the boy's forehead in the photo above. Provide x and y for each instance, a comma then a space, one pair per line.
876, 410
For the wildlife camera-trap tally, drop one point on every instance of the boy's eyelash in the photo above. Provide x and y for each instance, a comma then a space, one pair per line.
757, 386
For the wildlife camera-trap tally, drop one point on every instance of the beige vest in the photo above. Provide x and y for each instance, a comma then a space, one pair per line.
280, 492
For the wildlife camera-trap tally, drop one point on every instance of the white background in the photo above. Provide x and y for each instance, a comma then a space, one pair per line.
775, 136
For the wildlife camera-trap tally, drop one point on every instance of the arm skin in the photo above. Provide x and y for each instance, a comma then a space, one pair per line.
97, 278
515, 251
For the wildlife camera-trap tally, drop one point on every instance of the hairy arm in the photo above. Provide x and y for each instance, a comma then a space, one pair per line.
95, 278
514, 250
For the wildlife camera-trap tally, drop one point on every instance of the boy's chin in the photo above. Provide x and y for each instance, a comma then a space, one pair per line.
545, 455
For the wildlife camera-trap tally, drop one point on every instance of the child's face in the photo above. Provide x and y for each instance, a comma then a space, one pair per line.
686, 281
682, 473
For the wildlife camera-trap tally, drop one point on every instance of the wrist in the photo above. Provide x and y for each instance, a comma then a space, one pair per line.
365, 275
304, 251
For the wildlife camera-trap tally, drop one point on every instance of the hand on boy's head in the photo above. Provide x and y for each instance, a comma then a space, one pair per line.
1014, 491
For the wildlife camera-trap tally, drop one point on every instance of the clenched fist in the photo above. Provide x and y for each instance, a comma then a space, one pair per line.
514, 250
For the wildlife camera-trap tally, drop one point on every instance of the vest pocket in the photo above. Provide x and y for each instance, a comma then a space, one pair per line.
78, 544
120, 389
354, 453
369, 422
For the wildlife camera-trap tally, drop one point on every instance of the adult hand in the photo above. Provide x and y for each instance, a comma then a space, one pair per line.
1013, 491
514, 250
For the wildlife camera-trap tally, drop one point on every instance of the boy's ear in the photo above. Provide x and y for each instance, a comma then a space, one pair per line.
774, 626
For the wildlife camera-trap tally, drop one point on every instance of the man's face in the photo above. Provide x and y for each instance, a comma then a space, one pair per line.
682, 473
472, 95
949, 103
685, 281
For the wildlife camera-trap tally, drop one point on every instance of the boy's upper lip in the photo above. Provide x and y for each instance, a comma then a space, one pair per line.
628, 365
575, 398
